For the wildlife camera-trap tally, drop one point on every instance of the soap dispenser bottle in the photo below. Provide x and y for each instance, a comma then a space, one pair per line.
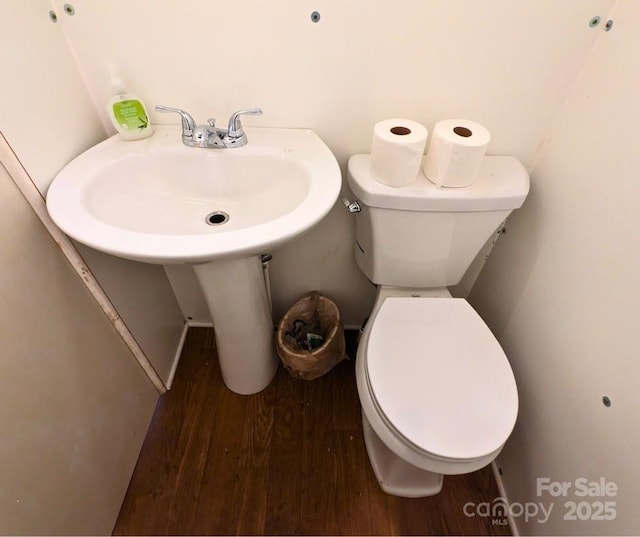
128, 113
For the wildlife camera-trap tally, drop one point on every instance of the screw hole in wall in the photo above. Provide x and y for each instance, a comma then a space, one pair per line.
606, 401
69, 9
52, 16
315, 17
594, 21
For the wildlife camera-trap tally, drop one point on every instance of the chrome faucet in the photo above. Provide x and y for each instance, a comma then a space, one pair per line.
210, 136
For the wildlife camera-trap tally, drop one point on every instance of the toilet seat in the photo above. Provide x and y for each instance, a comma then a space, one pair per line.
439, 377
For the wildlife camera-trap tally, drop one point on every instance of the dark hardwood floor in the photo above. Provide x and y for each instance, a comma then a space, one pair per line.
288, 461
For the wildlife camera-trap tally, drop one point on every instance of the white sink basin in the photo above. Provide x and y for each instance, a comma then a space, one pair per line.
148, 200
154, 200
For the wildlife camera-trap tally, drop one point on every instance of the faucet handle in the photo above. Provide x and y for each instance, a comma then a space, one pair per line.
235, 127
188, 123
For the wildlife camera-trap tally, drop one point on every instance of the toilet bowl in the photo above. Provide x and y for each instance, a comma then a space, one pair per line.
437, 392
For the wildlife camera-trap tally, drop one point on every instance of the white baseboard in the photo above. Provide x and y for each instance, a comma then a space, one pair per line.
209, 324
203, 324
200, 324
512, 522
176, 358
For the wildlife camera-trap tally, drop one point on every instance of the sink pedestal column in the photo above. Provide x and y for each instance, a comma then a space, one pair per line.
235, 293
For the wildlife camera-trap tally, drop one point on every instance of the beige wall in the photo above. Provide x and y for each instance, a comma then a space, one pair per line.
48, 117
505, 64
45, 112
74, 404
144, 299
561, 293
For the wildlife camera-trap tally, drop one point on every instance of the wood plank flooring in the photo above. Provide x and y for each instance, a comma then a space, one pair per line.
288, 461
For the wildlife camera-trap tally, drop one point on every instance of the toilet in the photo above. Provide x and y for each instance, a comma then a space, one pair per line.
437, 392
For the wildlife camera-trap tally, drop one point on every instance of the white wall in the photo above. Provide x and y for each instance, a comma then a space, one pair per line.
143, 297
74, 404
48, 118
504, 64
561, 293
45, 112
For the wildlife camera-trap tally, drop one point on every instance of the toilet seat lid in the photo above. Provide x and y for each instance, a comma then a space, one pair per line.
440, 377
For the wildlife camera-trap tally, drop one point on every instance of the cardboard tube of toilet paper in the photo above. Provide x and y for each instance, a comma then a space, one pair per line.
455, 153
397, 150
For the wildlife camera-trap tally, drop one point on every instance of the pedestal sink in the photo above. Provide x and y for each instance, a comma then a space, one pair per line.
158, 201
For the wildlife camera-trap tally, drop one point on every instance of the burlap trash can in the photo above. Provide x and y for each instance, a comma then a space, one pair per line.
311, 310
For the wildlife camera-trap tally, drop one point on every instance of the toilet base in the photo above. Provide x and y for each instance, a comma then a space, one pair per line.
396, 476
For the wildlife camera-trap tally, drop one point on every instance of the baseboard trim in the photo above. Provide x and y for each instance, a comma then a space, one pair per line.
200, 324
209, 324
176, 358
512, 522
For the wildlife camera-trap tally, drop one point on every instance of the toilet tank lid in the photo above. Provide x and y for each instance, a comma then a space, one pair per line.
502, 184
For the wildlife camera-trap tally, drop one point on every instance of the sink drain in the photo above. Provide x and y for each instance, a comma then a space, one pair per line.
216, 218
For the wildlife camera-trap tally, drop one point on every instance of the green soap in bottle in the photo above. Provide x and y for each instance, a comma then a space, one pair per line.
128, 113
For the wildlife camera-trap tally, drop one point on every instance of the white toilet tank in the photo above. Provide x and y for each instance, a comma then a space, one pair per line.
421, 235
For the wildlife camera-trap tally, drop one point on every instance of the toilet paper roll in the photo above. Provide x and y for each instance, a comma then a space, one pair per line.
397, 150
455, 153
